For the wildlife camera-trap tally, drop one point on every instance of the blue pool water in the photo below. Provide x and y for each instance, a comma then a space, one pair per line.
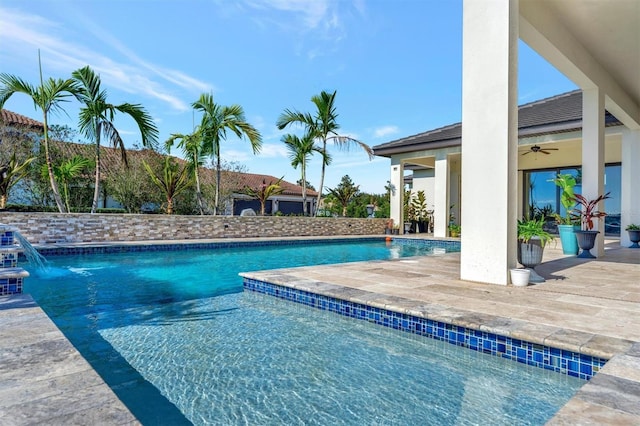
175, 337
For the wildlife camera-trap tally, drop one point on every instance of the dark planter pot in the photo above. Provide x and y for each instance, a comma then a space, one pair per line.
568, 239
530, 256
586, 241
634, 236
423, 226
530, 253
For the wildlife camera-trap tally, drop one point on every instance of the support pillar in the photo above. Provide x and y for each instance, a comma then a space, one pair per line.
593, 156
489, 140
630, 176
397, 193
441, 197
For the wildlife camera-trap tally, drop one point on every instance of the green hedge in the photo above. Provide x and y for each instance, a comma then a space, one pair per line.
51, 209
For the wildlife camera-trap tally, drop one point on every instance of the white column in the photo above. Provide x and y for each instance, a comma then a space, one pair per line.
630, 179
489, 140
593, 155
441, 196
397, 192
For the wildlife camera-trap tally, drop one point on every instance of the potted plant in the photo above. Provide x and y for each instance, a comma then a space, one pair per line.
634, 235
454, 230
566, 182
408, 213
531, 241
419, 204
587, 212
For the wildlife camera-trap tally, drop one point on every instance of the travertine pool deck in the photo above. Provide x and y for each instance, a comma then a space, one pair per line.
587, 306
44, 379
590, 306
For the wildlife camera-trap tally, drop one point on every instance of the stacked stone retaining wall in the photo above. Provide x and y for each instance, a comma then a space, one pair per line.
50, 228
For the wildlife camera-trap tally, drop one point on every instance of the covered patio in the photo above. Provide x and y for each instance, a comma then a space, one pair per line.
474, 169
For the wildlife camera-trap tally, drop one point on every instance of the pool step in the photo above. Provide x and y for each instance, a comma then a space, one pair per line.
11, 280
11, 277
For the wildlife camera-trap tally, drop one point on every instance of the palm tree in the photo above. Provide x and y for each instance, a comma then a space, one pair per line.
300, 150
263, 193
47, 96
216, 121
344, 192
96, 120
323, 126
172, 180
10, 174
192, 148
66, 172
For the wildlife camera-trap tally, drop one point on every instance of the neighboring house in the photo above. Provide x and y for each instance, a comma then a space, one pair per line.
549, 142
233, 183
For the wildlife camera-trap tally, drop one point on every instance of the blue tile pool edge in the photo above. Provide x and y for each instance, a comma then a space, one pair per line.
106, 248
561, 361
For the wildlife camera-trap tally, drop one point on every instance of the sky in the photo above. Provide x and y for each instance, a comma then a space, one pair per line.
396, 66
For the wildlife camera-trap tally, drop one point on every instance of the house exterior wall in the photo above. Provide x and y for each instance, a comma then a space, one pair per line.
49, 228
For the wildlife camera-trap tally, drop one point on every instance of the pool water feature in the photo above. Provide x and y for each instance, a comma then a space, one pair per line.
177, 340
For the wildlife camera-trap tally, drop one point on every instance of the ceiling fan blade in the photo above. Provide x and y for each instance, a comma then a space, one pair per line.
544, 152
527, 152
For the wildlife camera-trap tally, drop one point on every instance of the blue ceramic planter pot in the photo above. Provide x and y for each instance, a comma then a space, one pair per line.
568, 239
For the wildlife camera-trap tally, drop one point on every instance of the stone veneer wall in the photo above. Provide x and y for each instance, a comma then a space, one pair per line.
48, 228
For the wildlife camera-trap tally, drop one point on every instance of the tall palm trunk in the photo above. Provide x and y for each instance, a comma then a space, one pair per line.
304, 188
324, 151
52, 179
197, 178
218, 176
96, 189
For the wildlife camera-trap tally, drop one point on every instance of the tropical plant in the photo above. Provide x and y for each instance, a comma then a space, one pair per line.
632, 227
454, 230
533, 228
344, 192
216, 121
96, 120
131, 186
172, 180
300, 150
191, 145
419, 205
323, 126
586, 210
66, 172
47, 96
10, 174
566, 183
263, 192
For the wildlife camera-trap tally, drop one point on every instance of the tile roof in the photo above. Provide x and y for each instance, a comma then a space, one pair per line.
13, 119
111, 159
557, 114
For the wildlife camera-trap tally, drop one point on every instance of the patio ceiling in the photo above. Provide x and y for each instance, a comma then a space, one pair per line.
595, 43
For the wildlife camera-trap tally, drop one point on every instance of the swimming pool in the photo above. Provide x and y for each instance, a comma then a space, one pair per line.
174, 336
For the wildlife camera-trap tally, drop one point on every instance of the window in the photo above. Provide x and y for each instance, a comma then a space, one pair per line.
542, 196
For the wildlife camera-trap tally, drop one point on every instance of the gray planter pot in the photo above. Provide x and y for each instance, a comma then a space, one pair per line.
634, 237
530, 256
586, 241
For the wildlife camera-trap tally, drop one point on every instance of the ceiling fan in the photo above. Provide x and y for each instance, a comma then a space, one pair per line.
536, 149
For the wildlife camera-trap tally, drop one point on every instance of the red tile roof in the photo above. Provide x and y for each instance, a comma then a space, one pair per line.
235, 181
11, 118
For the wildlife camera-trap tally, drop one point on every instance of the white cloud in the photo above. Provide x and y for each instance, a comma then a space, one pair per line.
22, 33
385, 131
311, 12
271, 150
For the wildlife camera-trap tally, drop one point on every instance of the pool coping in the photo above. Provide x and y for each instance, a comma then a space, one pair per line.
610, 385
612, 396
